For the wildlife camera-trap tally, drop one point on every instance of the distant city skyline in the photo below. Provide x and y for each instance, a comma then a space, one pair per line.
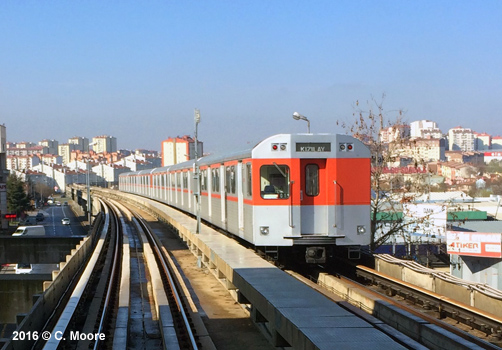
137, 70
443, 132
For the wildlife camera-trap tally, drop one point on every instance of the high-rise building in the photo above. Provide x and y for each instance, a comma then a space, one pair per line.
105, 143
483, 141
425, 129
461, 139
80, 143
180, 149
64, 150
52, 146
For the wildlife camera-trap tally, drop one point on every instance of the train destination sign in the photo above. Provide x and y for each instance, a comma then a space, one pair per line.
313, 147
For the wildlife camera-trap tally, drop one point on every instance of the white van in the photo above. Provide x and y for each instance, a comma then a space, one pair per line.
23, 268
37, 230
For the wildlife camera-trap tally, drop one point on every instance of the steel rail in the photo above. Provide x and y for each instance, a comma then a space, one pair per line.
115, 270
489, 324
165, 265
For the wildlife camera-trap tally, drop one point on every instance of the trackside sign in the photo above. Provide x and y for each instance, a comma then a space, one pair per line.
480, 244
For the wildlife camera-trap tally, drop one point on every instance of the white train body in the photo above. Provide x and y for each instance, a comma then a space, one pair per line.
308, 191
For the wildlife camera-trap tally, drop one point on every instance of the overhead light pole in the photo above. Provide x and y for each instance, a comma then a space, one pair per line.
298, 116
197, 171
88, 182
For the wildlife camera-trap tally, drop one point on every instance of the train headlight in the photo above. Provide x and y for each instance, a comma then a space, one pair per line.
361, 229
264, 230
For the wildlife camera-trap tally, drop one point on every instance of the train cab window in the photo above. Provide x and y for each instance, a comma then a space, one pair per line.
274, 181
312, 180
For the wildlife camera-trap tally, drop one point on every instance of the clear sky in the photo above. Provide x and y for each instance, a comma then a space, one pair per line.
137, 69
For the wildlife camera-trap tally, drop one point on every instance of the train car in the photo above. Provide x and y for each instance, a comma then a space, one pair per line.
294, 194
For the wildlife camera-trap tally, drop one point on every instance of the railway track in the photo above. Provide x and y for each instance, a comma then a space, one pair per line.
413, 302
435, 307
128, 296
471, 340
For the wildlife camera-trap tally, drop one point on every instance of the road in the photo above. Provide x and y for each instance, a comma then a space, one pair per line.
53, 215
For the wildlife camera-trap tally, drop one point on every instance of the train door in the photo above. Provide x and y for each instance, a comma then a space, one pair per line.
313, 197
240, 197
223, 199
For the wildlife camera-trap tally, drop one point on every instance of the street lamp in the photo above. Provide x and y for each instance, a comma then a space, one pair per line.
88, 183
298, 116
197, 172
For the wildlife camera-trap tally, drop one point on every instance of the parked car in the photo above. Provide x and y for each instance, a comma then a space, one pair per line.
40, 217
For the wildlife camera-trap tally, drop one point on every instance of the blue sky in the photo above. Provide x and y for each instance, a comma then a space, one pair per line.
137, 69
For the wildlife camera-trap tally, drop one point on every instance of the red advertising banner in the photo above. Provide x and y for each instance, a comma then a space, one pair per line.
480, 244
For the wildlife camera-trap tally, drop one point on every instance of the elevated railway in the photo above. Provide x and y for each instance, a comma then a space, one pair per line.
289, 312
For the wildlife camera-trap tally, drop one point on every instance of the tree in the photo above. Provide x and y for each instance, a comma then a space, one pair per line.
17, 197
386, 135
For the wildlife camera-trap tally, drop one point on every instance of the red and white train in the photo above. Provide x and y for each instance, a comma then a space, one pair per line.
294, 193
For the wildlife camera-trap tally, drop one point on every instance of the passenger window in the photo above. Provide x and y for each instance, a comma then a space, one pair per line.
216, 180
203, 180
230, 179
249, 182
274, 181
312, 180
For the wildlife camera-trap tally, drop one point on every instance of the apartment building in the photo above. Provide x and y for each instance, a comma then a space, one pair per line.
483, 141
52, 145
26, 151
395, 132
64, 150
80, 143
21, 163
104, 144
425, 150
497, 142
461, 139
425, 129
473, 158
180, 149
454, 171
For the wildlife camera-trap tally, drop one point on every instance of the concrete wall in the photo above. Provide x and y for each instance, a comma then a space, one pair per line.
35, 250
17, 297
46, 303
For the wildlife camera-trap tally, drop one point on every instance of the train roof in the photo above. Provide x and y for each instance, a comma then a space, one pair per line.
232, 155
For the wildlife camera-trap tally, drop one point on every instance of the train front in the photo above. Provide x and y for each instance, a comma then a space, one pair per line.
314, 194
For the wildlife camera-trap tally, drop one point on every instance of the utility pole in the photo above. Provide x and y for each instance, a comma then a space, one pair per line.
197, 171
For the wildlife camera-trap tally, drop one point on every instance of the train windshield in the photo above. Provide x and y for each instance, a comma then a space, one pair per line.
274, 181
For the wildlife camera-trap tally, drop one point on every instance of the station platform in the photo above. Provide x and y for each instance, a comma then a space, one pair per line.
291, 313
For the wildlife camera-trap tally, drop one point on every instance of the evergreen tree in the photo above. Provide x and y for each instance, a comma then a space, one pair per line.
17, 198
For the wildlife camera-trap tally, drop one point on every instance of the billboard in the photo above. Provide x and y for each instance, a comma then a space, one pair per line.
482, 244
